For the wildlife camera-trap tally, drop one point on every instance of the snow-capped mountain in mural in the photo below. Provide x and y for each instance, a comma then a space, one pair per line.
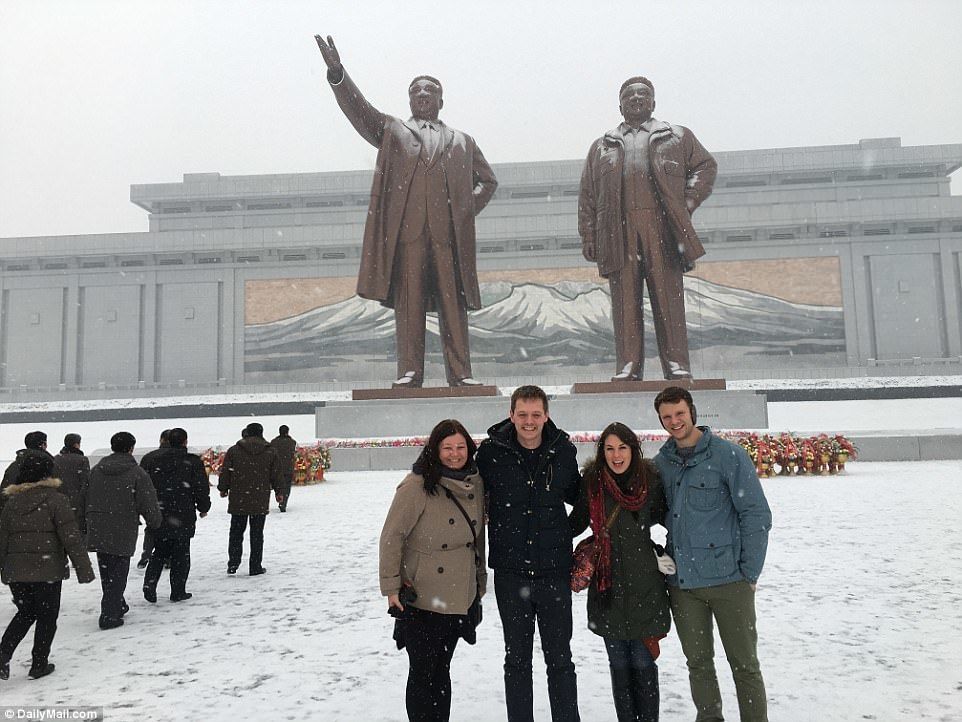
569, 322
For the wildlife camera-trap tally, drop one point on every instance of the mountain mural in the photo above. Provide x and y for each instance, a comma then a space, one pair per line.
568, 323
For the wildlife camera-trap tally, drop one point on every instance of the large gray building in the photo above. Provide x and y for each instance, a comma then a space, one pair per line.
820, 260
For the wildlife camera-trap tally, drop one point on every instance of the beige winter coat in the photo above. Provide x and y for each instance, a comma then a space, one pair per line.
426, 542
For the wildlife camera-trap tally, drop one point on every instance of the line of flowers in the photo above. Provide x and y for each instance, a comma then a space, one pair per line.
785, 454
310, 462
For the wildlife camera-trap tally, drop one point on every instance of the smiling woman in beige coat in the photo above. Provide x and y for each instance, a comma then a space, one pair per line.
432, 564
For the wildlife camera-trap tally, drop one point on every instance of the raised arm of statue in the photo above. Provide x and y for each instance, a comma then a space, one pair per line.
366, 119
335, 71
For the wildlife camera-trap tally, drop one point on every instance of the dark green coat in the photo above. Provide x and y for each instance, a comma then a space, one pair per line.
38, 531
636, 605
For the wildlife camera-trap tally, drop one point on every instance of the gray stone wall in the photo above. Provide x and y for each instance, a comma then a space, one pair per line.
168, 306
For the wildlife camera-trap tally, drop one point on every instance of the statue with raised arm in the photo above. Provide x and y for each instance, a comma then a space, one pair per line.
418, 254
641, 183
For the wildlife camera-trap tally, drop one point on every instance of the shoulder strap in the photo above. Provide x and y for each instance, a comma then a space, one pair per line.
474, 536
614, 515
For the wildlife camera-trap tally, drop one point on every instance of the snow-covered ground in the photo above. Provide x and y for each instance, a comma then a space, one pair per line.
860, 608
860, 617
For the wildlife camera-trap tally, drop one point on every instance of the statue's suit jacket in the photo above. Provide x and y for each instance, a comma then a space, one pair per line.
681, 169
470, 184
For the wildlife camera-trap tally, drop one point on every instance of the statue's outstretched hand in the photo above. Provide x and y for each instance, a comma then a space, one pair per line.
329, 52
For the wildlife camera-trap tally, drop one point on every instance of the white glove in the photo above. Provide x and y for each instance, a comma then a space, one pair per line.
666, 565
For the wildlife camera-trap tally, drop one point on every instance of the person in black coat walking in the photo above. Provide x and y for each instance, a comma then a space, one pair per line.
74, 469
117, 495
182, 490
148, 545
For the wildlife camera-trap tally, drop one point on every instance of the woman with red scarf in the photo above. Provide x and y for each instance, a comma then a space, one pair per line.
628, 596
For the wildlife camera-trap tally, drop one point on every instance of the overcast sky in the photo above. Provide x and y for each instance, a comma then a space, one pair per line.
96, 95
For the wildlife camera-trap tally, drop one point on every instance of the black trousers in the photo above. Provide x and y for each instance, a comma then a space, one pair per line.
235, 545
36, 602
285, 491
524, 599
113, 582
177, 550
430, 639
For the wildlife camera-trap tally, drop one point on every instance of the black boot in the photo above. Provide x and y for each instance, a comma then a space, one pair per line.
4, 667
644, 691
621, 689
38, 670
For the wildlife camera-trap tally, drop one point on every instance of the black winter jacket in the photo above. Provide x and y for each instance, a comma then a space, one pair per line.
182, 487
528, 527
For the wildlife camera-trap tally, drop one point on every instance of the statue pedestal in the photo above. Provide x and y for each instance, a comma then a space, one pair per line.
425, 392
609, 387
409, 416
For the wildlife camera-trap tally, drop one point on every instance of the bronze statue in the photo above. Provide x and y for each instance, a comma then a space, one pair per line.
640, 185
418, 254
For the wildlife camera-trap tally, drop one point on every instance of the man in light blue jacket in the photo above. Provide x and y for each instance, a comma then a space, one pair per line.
718, 522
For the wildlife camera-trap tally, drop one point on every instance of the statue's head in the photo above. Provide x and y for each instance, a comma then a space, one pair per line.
636, 99
425, 96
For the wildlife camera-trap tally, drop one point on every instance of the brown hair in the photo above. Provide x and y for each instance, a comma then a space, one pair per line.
429, 464
528, 393
672, 395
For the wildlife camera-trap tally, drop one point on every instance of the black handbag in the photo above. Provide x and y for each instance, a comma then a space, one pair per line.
406, 596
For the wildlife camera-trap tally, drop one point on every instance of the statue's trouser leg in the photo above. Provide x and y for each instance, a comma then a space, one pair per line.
452, 309
666, 289
410, 302
628, 311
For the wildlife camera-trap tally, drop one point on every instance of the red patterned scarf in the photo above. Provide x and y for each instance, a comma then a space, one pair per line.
632, 500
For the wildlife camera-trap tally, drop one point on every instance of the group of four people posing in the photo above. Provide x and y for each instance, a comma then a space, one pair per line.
517, 483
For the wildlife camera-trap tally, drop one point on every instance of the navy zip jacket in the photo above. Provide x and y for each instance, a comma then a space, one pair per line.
528, 527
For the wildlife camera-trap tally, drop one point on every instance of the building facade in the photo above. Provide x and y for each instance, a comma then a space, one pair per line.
819, 260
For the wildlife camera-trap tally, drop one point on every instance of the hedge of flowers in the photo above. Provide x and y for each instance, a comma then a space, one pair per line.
310, 462
784, 454
788, 455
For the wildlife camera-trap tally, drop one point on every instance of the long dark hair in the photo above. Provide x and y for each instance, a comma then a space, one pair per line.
641, 472
429, 464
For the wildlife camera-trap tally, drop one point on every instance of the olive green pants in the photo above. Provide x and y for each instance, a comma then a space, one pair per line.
733, 608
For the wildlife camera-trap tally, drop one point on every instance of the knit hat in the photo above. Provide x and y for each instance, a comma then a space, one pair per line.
34, 466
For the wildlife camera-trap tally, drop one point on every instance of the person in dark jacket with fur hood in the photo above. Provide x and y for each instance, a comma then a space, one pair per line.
33, 441
118, 494
249, 472
38, 531
621, 497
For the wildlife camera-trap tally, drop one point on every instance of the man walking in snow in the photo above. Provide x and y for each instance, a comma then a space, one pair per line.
284, 446
249, 472
118, 493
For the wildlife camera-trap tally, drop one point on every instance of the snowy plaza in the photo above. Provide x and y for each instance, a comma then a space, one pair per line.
859, 606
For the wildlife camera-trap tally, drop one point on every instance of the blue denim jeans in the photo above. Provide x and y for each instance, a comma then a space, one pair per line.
628, 654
